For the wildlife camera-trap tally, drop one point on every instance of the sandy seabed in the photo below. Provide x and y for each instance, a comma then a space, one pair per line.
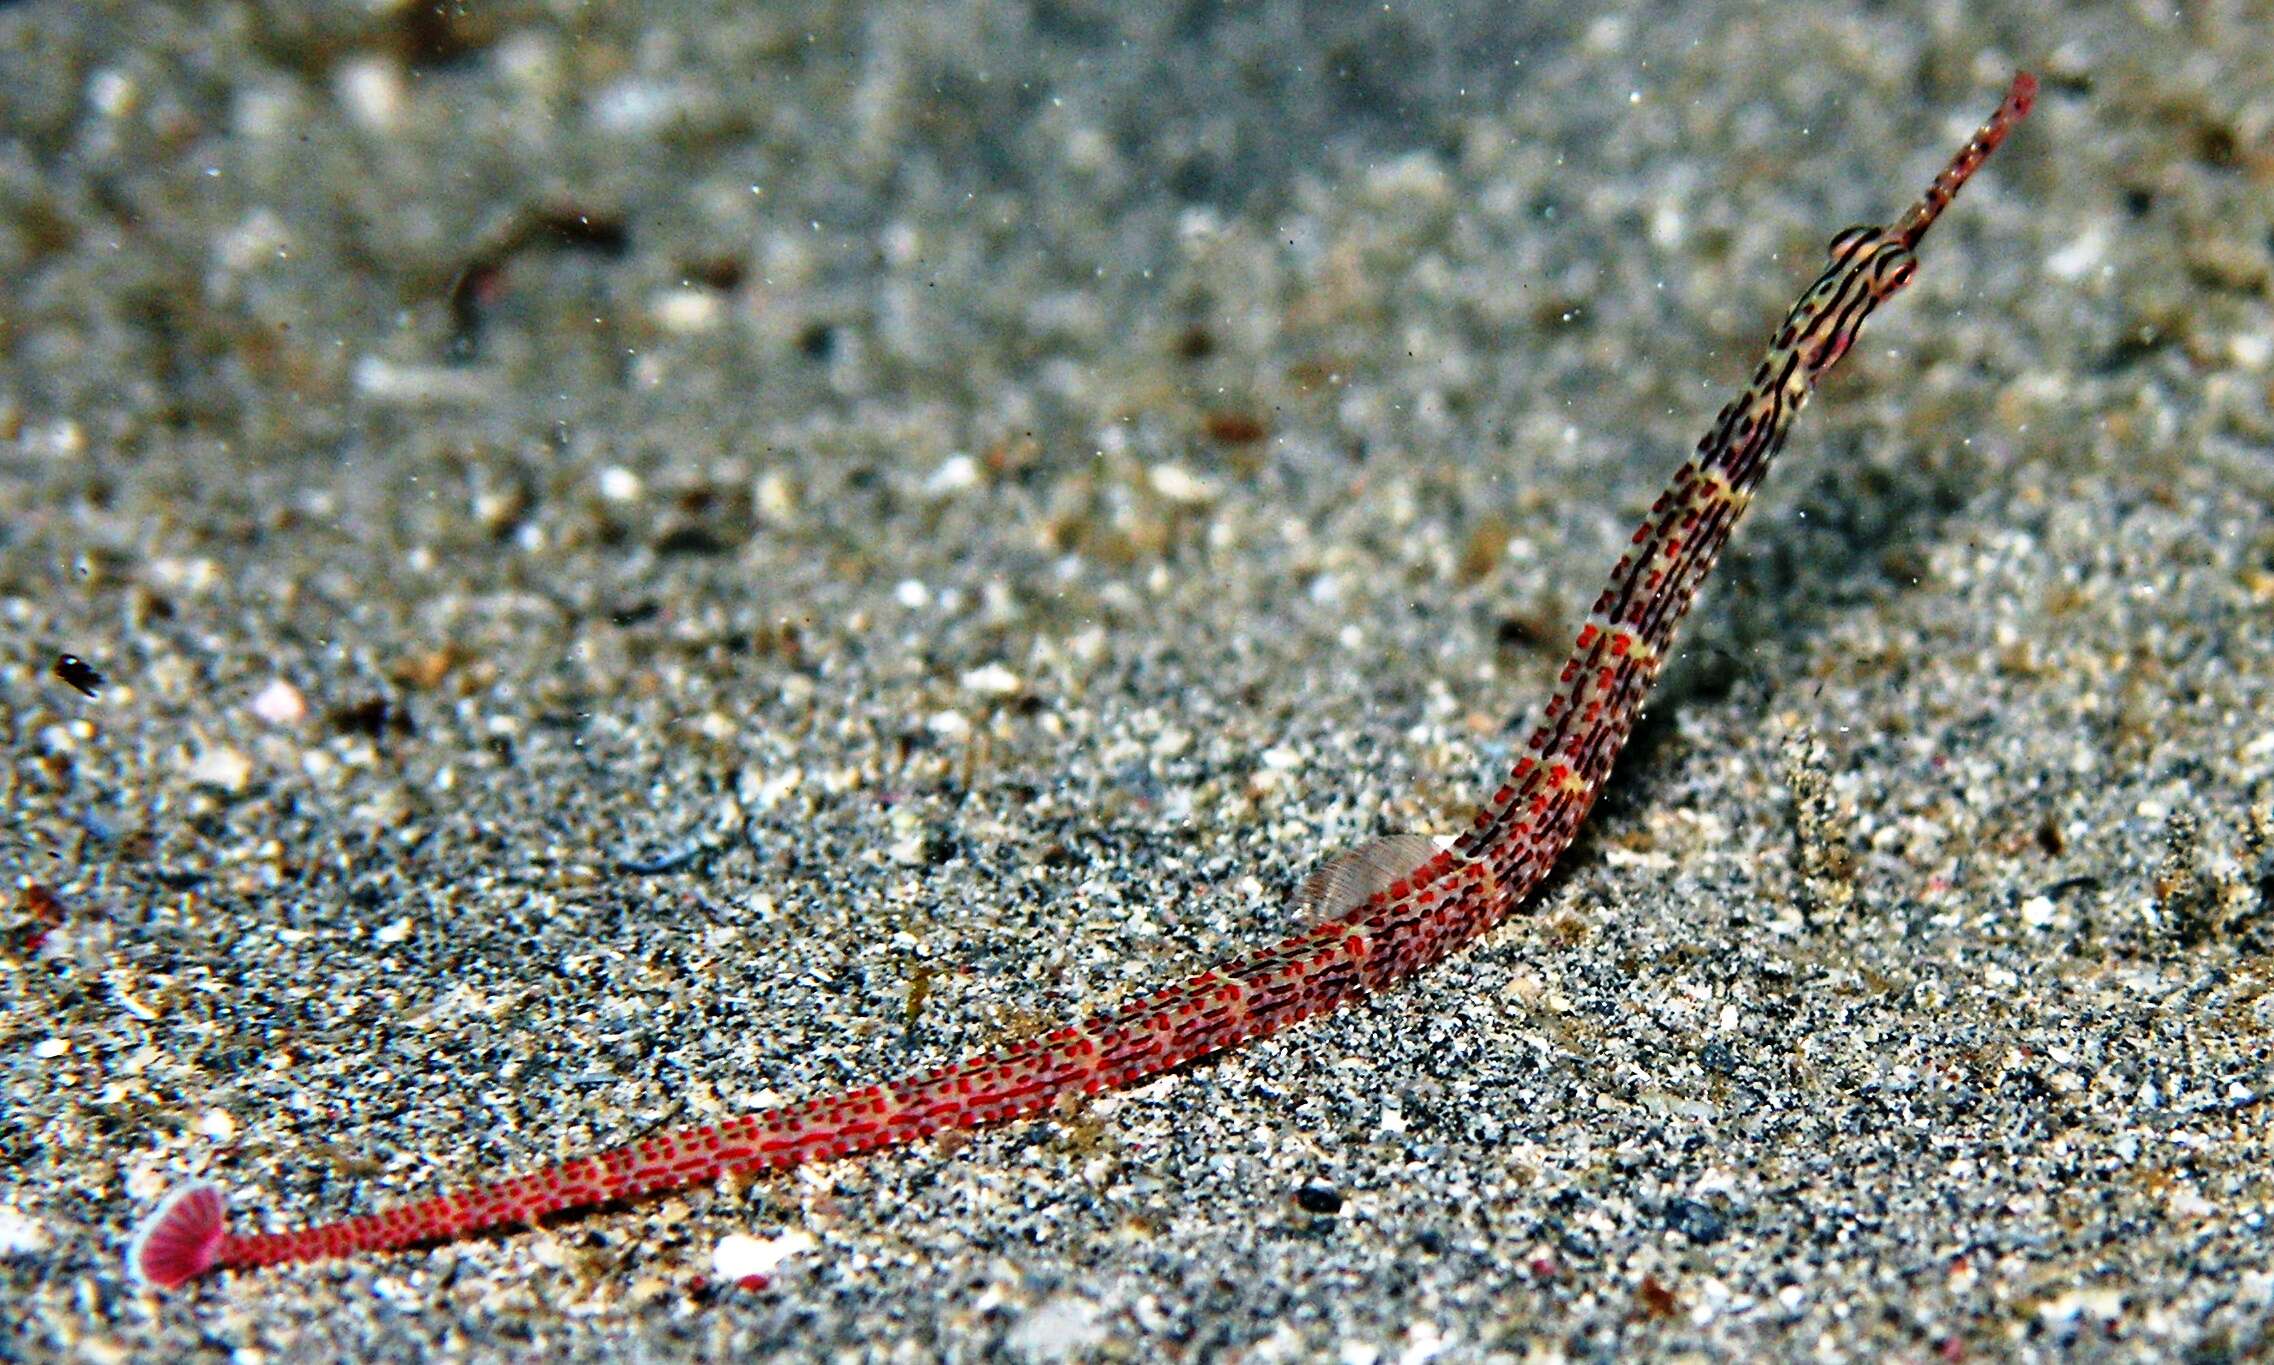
643, 565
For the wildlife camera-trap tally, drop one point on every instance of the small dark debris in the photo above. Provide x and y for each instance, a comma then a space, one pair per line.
442, 33
1195, 343
2068, 884
1696, 1221
2216, 1348
478, 285
1234, 428
1482, 550
2136, 347
481, 280
723, 273
45, 910
2218, 145
79, 673
1523, 632
1323, 1200
691, 540
817, 341
670, 860
636, 614
373, 718
1717, 1058
2049, 837
919, 990
1654, 1300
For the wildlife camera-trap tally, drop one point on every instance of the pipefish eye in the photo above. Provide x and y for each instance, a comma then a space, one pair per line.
1851, 243
1891, 270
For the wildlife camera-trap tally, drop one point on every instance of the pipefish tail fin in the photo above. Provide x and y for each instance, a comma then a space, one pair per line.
181, 1239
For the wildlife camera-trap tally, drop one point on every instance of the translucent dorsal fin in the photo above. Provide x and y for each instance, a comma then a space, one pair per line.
1354, 876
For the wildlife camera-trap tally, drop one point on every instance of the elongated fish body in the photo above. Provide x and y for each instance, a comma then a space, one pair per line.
1375, 915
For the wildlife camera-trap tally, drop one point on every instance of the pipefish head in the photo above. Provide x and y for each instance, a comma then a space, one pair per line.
1882, 258
1869, 265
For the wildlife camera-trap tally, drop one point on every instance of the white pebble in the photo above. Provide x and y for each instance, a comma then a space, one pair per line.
112, 92
20, 1234
992, 680
225, 768
738, 1257
373, 91
216, 1124
2072, 261
1181, 485
385, 382
956, 473
49, 1049
618, 484
280, 703
1060, 1328
777, 497
687, 312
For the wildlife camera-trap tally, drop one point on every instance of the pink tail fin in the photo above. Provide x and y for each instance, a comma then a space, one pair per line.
181, 1240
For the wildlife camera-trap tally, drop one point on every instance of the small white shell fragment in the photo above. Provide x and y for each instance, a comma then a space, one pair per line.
956, 473
20, 1234
373, 91
1181, 485
383, 381
777, 497
992, 680
224, 768
280, 703
739, 1258
1060, 1328
618, 484
687, 312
